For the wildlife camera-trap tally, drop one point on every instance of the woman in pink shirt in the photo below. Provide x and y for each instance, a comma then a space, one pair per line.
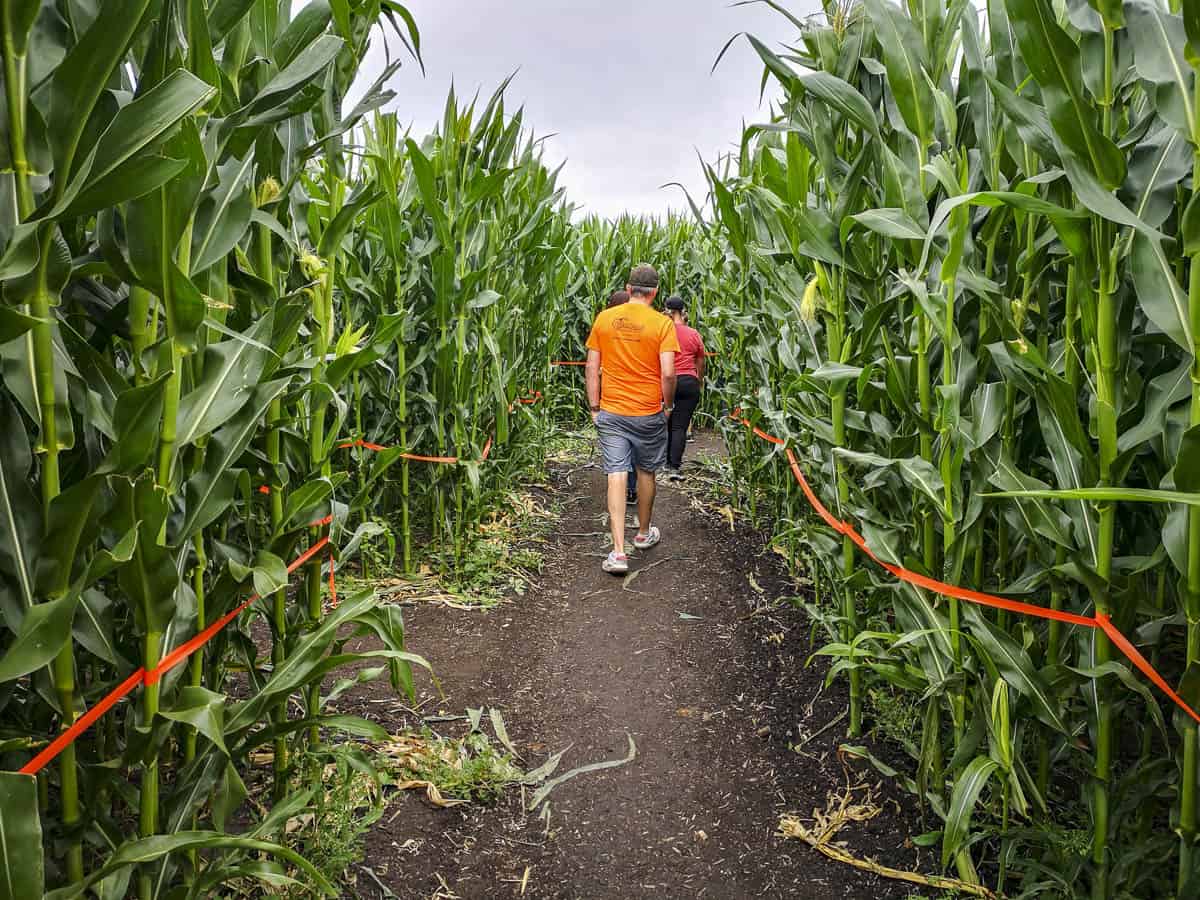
689, 372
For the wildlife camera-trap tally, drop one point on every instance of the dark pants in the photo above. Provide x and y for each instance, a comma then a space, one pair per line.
687, 398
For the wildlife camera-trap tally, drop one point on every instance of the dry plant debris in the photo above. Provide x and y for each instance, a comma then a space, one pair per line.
843, 809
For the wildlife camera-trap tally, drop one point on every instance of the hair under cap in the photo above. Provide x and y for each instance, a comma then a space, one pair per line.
644, 276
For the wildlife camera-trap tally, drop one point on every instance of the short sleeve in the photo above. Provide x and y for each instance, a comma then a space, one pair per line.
593, 341
670, 340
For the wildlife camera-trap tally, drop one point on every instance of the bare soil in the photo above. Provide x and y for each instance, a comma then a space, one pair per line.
714, 697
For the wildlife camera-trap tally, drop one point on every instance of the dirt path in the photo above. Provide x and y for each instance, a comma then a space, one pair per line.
713, 700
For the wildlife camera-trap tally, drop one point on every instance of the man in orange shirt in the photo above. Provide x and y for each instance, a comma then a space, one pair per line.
636, 346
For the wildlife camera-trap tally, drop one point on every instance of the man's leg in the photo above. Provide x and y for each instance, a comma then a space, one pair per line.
617, 483
650, 452
647, 487
617, 452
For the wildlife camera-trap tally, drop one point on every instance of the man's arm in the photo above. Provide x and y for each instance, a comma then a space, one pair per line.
593, 382
667, 361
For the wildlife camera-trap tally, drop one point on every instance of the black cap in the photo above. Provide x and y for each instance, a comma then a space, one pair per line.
675, 303
644, 276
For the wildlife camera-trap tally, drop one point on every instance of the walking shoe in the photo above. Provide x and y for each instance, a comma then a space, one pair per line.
631, 496
646, 541
674, 475
616, 563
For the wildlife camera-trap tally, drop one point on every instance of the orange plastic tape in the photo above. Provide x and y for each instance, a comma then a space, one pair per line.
143, 677
535, 397
184, 651
1100, 620
567, 362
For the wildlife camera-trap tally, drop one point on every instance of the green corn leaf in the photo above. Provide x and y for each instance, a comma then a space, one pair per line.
113, 173
776, 66
83, 75
150, 849
890, 222
1159, 52
304, 28
269, 572
1187, 463
44, 631
1016, 668
917, 472
210, 491
152, 577
1103, 203
299, 666
94, 628
231, 372
1159, 294
22, 869
1164, 391
1191, 27
20, 512
137, 424
225, 14
1104, 494
304, 502
1028, 118
423, 171
331, 238
1157, 167
14, 323
203, 710
839, 95
70, 525
1054, 59
903, 55
223, 215
965, 796
307, 64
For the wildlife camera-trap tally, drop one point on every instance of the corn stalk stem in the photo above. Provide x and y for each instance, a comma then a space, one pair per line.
1106, 420
1187, 793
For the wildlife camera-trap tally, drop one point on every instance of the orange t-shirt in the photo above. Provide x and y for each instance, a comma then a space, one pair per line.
629, 338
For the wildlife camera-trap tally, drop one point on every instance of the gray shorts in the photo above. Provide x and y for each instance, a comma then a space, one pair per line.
627, 441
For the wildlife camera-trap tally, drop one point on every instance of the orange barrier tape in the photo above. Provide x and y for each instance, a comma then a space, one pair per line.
143, 677
535, 397
181, 653
567, 363
1100, 620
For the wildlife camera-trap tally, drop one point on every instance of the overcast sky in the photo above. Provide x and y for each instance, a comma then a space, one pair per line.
624, 85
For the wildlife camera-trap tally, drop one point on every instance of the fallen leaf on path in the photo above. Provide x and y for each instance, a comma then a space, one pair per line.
502, 732
727, 513
546, 788
432, 794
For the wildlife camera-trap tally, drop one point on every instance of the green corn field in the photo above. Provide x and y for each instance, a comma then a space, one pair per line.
955, 268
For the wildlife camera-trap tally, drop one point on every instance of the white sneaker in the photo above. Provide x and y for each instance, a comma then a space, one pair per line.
646, 541
616, 563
